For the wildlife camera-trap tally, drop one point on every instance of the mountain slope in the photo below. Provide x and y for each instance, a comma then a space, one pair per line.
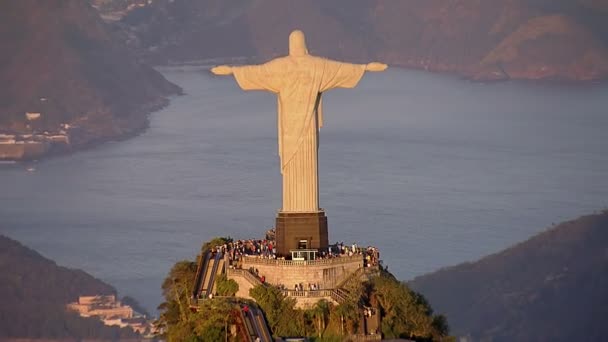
61, 60
549, 47
553, 287
531, 39
34, 292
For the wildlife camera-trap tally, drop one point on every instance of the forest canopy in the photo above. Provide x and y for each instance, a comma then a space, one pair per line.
405, 313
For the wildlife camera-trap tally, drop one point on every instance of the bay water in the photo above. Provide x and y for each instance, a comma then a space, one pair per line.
432, 169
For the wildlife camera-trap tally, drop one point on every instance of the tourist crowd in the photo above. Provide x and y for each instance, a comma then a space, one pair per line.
266, 248
339, 249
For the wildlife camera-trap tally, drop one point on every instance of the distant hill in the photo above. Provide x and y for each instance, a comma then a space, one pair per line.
60, 59
33, 295
553, 287
499, 39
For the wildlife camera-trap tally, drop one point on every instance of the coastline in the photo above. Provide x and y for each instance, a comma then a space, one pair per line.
473, 74
495, 74
83, 138
88, 137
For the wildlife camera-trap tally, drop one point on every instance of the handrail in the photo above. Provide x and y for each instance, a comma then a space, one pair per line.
262, 325
308, 293
338, 296
202, 267
197, 276
218, 257
255, 260
254, 323
350, 277
246, 274
361, 337
248, 325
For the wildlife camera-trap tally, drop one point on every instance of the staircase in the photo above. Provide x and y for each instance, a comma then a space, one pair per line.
245, 274
340, 294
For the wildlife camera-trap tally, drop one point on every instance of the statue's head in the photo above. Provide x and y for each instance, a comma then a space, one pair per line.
297, 44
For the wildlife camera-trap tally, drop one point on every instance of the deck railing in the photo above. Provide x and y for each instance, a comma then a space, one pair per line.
308, 293
255, 260
360, 337
244, 273
339, 295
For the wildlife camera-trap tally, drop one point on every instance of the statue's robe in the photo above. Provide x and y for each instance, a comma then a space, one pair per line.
299, 83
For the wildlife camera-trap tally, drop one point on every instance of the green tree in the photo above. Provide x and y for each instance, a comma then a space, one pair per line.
405, 312
217, 241
321, 312
177, 287
213, 318
282, 316
347, 314
209, 320
225, 286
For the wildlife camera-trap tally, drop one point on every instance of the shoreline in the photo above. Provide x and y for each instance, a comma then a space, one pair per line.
472, 75
138, 123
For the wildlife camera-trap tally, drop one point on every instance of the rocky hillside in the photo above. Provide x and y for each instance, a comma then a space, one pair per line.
553, 287
34, 291
60, 59
527, 39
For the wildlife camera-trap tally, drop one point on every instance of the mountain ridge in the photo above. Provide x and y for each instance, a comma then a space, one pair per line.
65, 64
545, 288
479, 40
34, 292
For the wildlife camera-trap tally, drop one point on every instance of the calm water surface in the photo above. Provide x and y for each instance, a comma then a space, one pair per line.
431, 169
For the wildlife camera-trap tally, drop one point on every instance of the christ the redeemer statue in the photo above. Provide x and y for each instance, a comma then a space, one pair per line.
299, 81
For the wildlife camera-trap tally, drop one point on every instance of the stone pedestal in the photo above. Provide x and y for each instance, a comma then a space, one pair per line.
301, 230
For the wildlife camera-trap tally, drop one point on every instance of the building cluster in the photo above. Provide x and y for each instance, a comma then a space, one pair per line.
44, 137
110, 311
34, 135
34, 140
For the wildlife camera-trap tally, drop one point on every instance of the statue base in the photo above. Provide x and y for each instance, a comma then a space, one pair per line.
306, 230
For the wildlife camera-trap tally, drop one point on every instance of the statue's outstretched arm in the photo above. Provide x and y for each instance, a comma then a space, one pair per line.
265, 76
222, 70
345, 75
375, 66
